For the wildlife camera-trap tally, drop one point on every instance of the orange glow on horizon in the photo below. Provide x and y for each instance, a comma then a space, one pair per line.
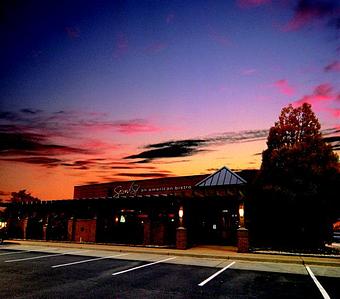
58, 182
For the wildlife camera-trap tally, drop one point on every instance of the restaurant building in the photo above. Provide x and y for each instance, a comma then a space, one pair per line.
176, 212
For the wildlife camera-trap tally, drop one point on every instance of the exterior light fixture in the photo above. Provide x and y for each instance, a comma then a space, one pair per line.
122, 219
241, 211
241, 214
180, 212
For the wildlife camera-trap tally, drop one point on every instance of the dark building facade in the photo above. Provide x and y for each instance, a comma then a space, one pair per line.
176, 212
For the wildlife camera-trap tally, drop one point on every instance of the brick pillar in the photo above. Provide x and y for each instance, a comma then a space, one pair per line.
147, 232
23, 225
181, 238
70, 229
158, 233
242, 240
45, 232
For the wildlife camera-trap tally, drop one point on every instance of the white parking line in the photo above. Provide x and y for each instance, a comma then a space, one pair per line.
214, 275
318, 284
43, 256
139, 267
89, 260
16, 252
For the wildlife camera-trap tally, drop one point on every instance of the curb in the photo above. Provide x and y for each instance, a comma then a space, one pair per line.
250, 257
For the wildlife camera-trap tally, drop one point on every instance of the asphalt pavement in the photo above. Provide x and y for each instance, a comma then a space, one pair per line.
29, 271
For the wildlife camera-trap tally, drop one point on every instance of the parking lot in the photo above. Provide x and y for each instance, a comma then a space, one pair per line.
47, 272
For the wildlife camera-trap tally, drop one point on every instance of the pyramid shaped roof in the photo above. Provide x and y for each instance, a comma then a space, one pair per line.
222, 177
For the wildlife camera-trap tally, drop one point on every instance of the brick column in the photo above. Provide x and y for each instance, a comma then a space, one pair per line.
158, 233
242, 240
181, 238
45, 232
70, 229
147, 232
23, 225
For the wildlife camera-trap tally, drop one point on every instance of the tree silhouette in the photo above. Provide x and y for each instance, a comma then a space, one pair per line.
296, 184
22, 196
296, 151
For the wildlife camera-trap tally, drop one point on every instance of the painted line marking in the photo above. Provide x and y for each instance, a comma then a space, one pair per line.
142, 266
16, 252
318, 284
89, 260
43, 256
214, 275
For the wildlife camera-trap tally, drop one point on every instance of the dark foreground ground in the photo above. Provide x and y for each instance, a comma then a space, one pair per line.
27, 274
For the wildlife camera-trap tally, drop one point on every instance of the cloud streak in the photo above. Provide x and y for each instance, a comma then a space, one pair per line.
42, 161
70, 123
4, 193
32, 136
190, 147
24, 143
333, 67
332, 136
146, 175
171, 149
135, 126
284, 87
321, 93
307, 12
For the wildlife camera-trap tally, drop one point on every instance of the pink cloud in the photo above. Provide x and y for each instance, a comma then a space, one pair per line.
99, 145
251, 3
335, 112
308, 12
133, 126
333, 67
322, 93
136, 126
300, 20
284, 87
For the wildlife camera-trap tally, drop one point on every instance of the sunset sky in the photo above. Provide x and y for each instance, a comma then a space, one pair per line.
98, 91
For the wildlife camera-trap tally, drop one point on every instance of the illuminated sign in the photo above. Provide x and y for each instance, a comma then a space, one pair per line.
131, 191
135, 189
170, 188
